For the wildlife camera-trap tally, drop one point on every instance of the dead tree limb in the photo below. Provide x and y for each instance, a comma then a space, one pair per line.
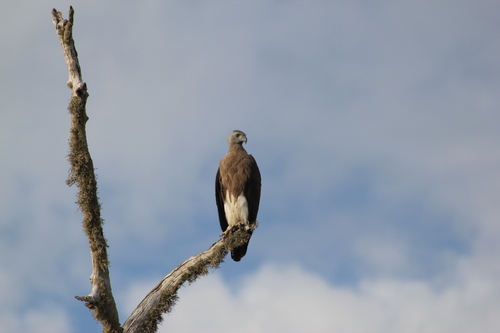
148, 314
100, 300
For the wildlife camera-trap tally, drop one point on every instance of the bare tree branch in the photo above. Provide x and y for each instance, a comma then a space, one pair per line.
161, 299
149, 313
100, 300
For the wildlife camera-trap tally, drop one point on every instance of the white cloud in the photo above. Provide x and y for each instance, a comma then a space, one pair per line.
46, 317
290, 299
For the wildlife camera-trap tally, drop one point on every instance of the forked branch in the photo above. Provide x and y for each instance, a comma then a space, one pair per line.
149, 313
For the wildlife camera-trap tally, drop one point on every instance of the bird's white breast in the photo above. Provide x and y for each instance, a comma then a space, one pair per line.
236, 209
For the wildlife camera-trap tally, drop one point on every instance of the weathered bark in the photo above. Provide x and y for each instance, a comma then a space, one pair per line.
148, 314
100, 300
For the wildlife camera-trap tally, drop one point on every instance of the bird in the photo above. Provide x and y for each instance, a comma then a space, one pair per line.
237, 188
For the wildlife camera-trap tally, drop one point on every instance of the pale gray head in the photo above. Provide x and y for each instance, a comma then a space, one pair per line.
236, 138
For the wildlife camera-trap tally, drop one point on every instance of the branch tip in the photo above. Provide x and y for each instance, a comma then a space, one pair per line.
71, 14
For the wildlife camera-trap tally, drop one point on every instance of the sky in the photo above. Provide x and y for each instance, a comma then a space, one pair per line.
375, 124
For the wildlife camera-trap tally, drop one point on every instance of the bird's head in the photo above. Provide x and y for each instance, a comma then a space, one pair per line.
236, 138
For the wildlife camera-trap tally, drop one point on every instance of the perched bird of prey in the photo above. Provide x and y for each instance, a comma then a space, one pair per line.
237, 188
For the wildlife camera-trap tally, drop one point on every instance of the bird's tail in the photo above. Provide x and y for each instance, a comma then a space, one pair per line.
239, 252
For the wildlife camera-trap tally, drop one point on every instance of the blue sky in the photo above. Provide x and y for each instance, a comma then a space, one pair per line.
375, 126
